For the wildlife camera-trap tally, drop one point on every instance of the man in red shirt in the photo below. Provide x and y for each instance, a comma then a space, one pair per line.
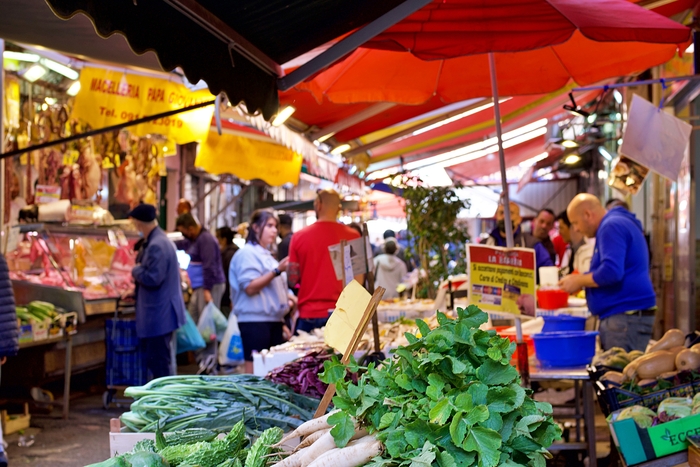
310, 263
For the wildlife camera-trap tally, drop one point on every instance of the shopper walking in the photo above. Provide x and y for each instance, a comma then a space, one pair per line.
206, 271
259, 293
225, 237
389, 270
160, 310
618, 286
9, 332
310, 265
285, 233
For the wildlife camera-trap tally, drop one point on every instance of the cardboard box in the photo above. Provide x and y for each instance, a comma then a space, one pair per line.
639, 445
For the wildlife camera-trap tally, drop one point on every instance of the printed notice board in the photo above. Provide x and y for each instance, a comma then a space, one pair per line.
502, 279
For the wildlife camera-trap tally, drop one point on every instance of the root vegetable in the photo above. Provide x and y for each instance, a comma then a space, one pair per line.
350, 456
687, 360
291, 461
309, 427
323, 444
677, 350
311, 439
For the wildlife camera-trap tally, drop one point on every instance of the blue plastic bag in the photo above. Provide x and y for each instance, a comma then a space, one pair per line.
188, 337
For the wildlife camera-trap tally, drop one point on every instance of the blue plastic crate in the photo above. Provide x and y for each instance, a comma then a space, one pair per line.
565, 349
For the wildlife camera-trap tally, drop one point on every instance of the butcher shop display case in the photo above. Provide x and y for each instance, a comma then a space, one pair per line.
96, 261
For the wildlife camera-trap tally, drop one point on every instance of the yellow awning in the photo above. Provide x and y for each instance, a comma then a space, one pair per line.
249, 159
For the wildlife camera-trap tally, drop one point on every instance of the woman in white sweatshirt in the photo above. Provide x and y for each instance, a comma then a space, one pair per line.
389, 270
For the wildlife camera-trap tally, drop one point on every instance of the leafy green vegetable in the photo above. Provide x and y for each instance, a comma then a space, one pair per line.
448, 399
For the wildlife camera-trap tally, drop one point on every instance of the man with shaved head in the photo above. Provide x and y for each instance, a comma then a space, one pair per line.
310, 263
521, 239
618, 286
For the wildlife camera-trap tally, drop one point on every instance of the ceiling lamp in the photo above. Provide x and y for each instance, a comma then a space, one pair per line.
20, 56
572, 159
283, 115
74, 88
569, 144
33, 73
60, 69
340, 149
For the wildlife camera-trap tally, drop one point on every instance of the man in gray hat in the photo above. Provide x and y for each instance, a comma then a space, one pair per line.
160, 309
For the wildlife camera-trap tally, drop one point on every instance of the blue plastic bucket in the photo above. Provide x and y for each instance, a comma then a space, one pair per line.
565, 348
563, 323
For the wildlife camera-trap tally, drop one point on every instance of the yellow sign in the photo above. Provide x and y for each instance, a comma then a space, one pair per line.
249, 159
347, 316
502, 279
109, 97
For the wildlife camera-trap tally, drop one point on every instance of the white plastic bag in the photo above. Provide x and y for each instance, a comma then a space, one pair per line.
231, 348
207, 324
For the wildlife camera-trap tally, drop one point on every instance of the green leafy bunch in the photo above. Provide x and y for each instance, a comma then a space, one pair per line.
448, 399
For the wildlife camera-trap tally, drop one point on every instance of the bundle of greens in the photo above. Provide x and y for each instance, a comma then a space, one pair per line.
216, 403
450, 398
199, 447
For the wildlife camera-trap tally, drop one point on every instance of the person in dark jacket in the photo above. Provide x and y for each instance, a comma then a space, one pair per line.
225, 237
9, 333
160, 309
285, 233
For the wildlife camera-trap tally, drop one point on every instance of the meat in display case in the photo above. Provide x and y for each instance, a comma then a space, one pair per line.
94, 261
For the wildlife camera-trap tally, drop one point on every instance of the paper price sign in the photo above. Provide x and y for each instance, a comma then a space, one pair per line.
502, 279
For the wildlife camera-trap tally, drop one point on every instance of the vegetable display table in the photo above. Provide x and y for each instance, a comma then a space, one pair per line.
66, 340
583, 406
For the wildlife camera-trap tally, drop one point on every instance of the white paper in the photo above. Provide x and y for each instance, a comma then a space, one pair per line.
655, 138
348, 265
359, 263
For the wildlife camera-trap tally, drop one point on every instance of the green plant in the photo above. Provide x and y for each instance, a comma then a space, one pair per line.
448, 399
434, 239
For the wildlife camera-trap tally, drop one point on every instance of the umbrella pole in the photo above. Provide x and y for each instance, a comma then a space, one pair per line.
523, 365
501, 154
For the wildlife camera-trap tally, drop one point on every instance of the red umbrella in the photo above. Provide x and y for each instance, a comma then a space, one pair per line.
537, 46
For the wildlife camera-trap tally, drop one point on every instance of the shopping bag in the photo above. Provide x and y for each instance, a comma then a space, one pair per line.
188, 337
207, 324
231, 348
220, 322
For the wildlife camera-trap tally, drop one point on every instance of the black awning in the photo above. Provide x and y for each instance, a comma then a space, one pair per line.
195, 35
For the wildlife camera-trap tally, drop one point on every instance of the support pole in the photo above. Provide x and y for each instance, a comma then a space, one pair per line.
501, 153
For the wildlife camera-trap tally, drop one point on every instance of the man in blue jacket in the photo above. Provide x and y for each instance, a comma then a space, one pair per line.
160, 309
618, 286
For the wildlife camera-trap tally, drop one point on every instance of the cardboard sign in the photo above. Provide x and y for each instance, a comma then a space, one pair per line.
655, 139
347, 315
502, 279
357, 257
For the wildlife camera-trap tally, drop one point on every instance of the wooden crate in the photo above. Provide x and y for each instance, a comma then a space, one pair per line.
14, 423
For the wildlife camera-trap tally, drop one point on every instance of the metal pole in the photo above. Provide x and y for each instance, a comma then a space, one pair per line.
501, 153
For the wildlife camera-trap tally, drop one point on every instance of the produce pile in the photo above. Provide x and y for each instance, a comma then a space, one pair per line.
215, 402
36, 312
449, 398
201, 448
673, 408
301, 375
667, 363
